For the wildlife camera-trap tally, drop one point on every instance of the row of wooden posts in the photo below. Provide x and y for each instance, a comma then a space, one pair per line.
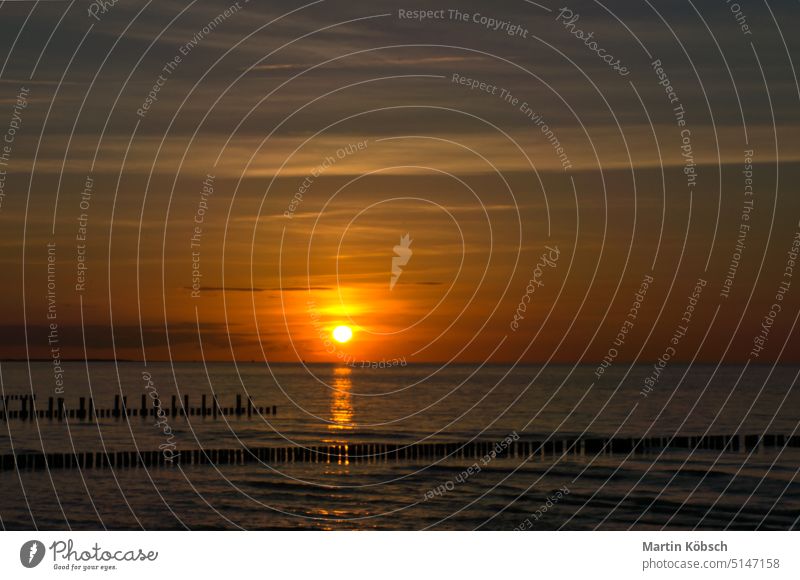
87, 411
384, 452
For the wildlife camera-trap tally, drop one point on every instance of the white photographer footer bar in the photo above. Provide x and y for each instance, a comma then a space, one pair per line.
389, 555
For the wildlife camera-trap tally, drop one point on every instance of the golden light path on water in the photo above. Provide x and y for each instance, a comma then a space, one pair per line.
341, 400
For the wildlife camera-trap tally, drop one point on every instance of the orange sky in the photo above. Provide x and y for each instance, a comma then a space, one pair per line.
313, 175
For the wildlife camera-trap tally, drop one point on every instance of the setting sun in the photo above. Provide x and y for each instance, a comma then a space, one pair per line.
342, 333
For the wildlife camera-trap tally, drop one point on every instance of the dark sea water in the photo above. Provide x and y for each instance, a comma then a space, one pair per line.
327, 404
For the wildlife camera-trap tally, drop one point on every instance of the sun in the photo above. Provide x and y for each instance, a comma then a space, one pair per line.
342, 333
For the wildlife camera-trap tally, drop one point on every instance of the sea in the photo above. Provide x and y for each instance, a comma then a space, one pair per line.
343, 405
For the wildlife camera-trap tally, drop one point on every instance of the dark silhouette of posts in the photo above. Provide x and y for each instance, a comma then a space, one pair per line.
56, 409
